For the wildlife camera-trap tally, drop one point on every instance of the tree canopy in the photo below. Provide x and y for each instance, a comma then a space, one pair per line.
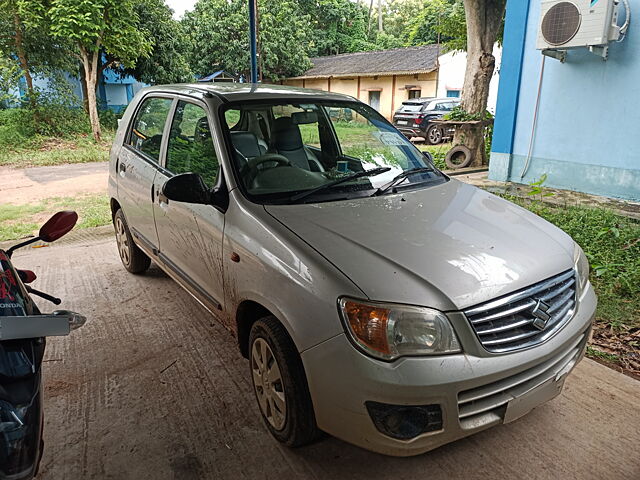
218, 37
168, 59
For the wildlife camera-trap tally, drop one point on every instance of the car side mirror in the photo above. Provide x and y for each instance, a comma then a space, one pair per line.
187, 188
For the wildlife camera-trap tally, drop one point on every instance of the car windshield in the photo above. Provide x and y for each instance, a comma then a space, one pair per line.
285, 152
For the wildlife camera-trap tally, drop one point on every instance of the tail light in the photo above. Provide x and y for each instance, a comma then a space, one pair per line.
419, 119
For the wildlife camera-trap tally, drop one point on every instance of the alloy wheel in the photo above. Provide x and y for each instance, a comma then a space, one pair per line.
122, 241
268, 385
435, 135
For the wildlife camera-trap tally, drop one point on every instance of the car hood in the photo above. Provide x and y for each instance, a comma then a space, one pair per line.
450, 246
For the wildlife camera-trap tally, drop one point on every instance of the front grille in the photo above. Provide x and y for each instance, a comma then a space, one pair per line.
519, 320
486, 404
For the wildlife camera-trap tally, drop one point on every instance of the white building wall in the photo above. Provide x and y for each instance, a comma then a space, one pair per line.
451, 74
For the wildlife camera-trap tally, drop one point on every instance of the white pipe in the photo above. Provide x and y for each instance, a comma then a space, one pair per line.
535, 120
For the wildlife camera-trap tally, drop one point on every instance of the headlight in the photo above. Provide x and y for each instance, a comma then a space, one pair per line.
389, 331
581, 266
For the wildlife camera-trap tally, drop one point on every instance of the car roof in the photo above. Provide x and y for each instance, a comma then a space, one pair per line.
233, 92
431, 99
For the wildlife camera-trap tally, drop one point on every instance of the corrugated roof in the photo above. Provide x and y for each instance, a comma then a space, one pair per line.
397, 61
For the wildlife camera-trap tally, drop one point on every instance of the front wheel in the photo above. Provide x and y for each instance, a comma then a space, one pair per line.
133, 259
280, 384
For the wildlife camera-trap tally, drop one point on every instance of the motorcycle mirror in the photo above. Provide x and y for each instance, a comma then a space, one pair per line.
58, 225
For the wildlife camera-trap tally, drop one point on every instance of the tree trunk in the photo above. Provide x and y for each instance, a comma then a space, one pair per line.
83, 84
90, 64
379, 15
483, 18
24, 61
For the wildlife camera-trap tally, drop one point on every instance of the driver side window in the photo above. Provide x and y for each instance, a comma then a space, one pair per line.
190, 147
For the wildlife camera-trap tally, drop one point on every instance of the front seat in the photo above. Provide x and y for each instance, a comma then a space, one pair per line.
288, 143
247, 144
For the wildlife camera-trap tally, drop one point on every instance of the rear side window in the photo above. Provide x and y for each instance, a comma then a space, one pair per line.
190, 147
146, 132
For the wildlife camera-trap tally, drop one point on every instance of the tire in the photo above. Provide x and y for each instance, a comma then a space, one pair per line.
458, 157
133, 259
291, 420
434, 135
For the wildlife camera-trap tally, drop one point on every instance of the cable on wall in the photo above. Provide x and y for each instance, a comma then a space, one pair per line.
535, 120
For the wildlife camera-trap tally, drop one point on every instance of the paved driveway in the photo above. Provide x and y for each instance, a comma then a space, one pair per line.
153, 388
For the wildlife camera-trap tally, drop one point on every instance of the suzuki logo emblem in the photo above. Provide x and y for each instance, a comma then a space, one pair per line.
541, 316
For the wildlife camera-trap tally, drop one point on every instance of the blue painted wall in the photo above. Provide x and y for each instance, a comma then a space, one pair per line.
589, 111
113, 92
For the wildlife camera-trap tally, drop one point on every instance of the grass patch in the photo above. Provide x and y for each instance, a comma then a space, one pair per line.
19, 221
45, 151
438, 152
607, 357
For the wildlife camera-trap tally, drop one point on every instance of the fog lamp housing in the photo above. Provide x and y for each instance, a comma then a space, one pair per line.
404, 422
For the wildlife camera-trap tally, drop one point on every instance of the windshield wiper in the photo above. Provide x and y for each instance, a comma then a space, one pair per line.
365, 173
400, 177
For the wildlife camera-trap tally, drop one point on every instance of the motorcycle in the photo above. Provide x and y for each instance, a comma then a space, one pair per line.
23, 329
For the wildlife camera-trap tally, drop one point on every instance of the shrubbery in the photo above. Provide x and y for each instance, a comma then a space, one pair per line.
24, 126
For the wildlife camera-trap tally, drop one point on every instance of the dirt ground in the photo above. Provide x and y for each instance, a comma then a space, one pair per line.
30, 185
153, 388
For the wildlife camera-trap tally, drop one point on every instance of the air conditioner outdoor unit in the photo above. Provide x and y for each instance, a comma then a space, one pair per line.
578, 23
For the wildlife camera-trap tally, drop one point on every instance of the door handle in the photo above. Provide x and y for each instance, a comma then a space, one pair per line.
162, 198
122, 168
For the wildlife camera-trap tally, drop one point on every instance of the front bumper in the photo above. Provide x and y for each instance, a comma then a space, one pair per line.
475, 390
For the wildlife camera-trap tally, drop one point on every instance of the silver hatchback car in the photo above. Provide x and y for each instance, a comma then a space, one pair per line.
376, 298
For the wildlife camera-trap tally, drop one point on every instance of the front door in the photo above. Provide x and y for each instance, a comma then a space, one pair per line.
137, 166
190, 235
374, 100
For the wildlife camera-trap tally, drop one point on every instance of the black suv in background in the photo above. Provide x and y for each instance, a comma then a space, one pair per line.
414, 117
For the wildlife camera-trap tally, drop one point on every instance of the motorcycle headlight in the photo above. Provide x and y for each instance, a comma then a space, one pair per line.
389, 331
581, 266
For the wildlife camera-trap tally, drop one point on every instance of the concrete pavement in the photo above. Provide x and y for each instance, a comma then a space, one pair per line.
153, 388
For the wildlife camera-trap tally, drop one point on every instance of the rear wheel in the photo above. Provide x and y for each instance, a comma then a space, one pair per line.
434, 135
133, 259
280, 384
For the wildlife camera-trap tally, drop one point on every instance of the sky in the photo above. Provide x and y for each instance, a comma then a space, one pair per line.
180, 6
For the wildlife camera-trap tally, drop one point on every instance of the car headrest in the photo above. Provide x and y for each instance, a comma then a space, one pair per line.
246, 143
287, 135
302, 118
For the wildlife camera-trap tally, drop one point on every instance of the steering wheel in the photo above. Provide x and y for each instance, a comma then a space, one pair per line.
251, 168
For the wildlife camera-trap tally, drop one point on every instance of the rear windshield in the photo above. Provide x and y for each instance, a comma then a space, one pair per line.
411, 107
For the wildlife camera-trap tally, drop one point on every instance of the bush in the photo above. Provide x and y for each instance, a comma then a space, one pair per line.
54, 120
17, 126
109, 118
24, 127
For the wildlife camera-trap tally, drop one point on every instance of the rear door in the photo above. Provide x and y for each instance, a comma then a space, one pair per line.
190, 236
137, 165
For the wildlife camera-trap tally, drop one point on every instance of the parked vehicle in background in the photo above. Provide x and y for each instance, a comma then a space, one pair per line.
374, 297
414, 117
22, 343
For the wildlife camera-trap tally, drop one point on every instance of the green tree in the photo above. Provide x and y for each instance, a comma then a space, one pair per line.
399, 16
25, 36
337, 26
10, 74
94, 27
219, 38
440, 21
167, 62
